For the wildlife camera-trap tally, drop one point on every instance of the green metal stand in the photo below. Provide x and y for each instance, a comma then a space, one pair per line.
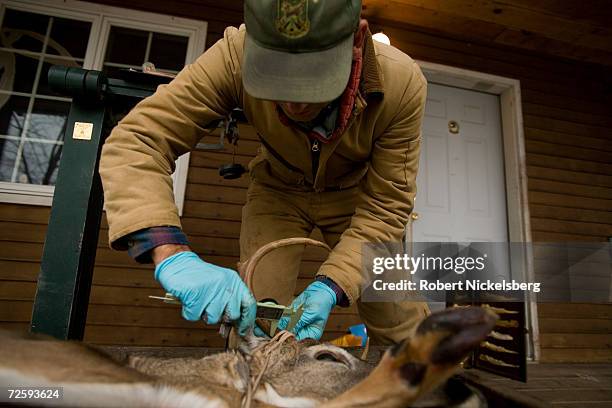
62, 294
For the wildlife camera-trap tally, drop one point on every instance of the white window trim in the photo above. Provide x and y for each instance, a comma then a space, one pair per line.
102, 18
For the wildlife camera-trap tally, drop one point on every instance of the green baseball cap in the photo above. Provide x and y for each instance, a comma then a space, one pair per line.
298, 50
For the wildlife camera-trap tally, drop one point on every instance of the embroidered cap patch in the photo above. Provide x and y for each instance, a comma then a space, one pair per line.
292, 18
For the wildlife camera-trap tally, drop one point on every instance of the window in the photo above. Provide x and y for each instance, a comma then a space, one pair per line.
129, 48
38, 34
32, 118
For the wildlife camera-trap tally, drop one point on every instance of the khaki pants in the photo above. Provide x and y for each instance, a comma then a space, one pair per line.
270, 214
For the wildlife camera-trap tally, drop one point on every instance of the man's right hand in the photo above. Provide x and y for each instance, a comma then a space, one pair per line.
206, 291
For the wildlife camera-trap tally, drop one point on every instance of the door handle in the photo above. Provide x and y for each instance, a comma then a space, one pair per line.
414, 216
453, 127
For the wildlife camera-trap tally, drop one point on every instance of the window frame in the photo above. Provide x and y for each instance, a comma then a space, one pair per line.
102, 17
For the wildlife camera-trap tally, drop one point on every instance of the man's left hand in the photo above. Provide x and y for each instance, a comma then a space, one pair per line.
318, 300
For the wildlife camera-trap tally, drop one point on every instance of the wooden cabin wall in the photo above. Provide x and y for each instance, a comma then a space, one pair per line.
567, 119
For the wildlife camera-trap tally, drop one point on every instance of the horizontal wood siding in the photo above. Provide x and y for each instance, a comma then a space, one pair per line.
567, 119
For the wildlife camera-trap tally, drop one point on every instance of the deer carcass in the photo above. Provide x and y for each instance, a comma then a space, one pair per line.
276, 372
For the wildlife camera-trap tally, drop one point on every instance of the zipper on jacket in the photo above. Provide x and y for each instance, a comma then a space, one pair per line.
278, 157
315, 149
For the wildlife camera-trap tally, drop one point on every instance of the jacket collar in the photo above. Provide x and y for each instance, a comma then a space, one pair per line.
371, 81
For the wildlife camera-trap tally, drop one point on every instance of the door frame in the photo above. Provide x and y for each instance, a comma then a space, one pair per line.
515, 166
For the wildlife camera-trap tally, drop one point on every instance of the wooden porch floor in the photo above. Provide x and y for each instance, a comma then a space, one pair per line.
549, 385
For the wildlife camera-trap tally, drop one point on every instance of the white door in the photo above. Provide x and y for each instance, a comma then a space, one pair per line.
461, 193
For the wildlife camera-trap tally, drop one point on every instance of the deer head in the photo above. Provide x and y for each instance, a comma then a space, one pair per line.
289, 373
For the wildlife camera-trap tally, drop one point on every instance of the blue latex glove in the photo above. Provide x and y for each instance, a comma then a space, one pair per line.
207, 291
318, 300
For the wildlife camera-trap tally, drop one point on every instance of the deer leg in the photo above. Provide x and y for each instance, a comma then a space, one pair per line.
422, 362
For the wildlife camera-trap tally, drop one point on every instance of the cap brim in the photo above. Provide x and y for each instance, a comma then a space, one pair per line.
296, 77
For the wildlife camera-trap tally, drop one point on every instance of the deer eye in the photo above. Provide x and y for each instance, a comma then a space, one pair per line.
328, 353
327, 356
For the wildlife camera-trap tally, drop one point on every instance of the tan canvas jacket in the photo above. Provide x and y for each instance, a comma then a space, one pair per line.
379, 150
